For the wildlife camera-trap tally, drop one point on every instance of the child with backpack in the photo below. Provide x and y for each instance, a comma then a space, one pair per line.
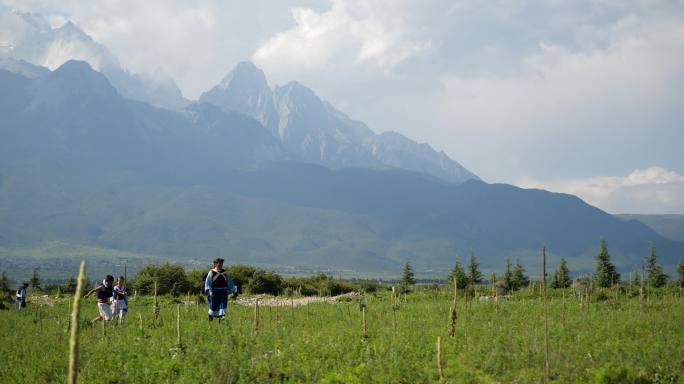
217, 285
104, 294
21, 296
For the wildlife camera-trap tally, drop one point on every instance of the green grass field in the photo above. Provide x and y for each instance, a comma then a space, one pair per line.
609, 341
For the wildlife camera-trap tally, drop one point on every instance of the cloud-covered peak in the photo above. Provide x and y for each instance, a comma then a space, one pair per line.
295, 90
74, 66
79, 77
35, 20
245, 90
30, 37
74, 31
244, 75
22, 67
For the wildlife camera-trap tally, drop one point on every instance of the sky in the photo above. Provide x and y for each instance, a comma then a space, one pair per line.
581, 97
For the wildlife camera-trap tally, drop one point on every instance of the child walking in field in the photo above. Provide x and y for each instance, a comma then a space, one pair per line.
120, 299
21, 296
104, 294
217, 285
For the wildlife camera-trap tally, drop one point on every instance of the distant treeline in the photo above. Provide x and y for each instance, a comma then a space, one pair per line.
173, 279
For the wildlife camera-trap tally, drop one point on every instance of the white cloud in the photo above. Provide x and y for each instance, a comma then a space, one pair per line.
653, 175
357, 32
34, 39
613, 107
196, 43
650, 190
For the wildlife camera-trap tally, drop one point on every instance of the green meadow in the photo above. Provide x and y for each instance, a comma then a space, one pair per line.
613, 336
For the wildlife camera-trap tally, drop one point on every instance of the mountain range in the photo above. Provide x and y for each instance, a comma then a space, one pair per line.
85, 170
92, 167
314, 131
29, 38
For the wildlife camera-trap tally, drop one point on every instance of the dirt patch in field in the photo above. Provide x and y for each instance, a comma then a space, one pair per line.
270, 301
42, 300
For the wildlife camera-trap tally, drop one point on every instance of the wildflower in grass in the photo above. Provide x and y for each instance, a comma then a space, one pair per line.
216, 285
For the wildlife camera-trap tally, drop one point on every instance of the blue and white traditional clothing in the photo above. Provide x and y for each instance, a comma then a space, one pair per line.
21, 297
217, 285
119, 302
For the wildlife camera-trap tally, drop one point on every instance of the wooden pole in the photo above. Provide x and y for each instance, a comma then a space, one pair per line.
256, 315
546, 319
178, 328
363, 320
440, 370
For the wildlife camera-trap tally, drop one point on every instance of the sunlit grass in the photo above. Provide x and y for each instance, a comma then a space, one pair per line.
324, 343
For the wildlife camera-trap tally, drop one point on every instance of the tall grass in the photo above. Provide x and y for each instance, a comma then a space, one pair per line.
328, 349
73, 336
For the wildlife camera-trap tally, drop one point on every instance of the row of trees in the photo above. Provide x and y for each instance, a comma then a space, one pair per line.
606, 274
172, 279
514, 277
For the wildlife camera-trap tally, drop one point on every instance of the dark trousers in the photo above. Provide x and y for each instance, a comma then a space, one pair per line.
218, 302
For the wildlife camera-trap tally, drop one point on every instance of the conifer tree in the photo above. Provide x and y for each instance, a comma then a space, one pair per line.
492, 279
519, 279
407, 277
4, 283
655, 276
561, 278
35, 280
507, 277
70, 285
636, 278
474, 274
457, 273
605, 275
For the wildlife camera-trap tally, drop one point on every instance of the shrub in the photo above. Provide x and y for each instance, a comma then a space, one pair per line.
264, 282
171, 279
367, 286
196, 280
320, 284
241, 274
599, 296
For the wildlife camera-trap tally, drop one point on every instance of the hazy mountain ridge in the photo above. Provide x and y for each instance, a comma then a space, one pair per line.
308, 127
670, 226
81, 165
35, 41
75, 111
313, 130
